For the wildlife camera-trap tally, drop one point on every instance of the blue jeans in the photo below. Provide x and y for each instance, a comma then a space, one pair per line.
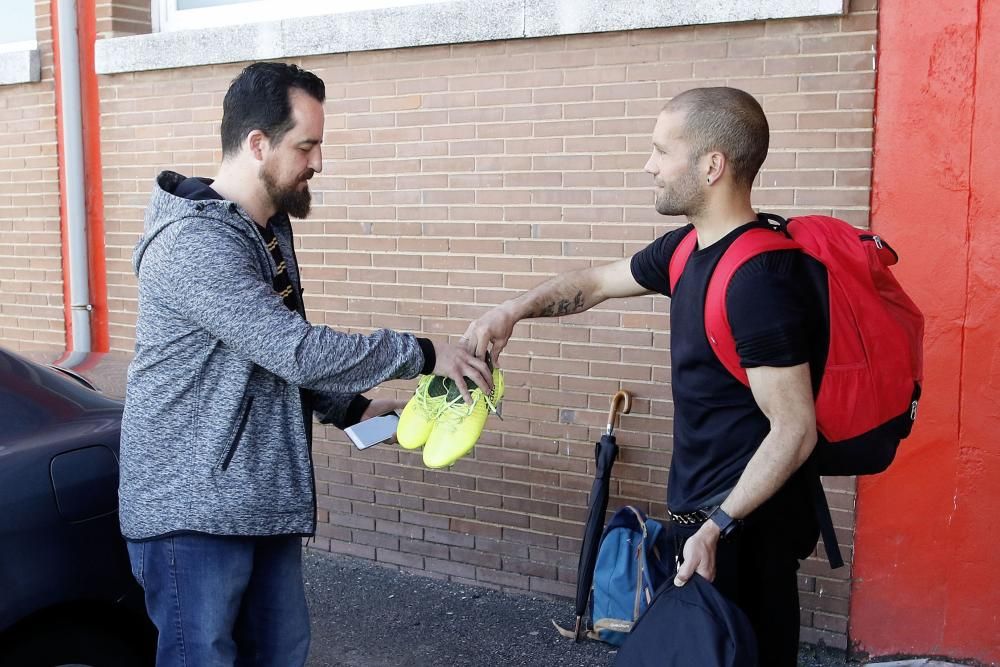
224, 601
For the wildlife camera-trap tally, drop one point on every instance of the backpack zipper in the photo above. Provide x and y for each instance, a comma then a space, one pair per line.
879, 244
872, 237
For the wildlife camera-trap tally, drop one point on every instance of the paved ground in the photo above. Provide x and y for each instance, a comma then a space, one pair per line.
365, 615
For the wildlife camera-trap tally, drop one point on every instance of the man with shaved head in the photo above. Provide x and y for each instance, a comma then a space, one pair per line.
739, 502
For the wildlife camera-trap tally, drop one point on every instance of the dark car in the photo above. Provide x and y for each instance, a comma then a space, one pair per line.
67, 595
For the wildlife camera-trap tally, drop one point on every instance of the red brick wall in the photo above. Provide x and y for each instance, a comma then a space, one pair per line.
456, 177
31, 296
117, 18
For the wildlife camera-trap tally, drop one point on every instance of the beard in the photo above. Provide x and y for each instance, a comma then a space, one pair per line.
682, 197
288, 199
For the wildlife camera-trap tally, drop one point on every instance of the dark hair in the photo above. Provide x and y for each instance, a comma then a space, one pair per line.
258, 99
727, 120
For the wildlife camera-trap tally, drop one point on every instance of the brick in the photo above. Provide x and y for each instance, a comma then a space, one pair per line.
503, 97
550, 587
479, 82
596, 75
816, 636
564, 128
565, 60
835, 120
533, 112
666, 71
502, 548
351, 549
627, 91
563, 94
597, 109
837, 82
850, 159
420, 86
474, 557
832, 197
562, 163
504, 130
450, 568
855, 139
402, 559
478, 147
727, 68
535, 79
377, 540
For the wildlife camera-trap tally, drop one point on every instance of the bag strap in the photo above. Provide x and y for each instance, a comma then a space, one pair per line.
748, 245
823, 516
642, 571
682, 253
751, 243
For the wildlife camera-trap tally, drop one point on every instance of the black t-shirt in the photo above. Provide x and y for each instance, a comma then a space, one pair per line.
777, 311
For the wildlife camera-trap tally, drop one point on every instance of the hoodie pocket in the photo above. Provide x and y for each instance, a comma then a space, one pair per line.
234, 440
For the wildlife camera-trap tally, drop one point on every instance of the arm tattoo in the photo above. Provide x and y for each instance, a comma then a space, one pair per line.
562, 307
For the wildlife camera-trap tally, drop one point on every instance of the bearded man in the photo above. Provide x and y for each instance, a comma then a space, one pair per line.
217, 487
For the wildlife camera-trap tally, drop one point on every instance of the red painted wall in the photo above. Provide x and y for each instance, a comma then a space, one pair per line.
927, 564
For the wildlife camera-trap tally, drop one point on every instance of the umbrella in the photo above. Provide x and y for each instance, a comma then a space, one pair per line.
605, 452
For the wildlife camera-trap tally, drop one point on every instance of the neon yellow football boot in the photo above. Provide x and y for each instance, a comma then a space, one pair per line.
417, 418
459, 425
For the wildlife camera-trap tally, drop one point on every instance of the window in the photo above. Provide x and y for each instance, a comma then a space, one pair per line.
170, 15
17, 30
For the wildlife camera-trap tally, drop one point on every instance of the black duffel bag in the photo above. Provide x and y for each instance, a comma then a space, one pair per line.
691, 626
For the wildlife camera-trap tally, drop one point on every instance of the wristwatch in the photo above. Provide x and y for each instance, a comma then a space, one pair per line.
727, 524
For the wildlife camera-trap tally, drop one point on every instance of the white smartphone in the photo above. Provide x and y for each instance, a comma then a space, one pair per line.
372, 431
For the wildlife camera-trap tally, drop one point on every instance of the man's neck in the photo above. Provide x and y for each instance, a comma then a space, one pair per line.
721, 217
246, 191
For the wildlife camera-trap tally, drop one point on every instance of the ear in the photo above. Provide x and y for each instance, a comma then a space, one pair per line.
256, 144
715, 166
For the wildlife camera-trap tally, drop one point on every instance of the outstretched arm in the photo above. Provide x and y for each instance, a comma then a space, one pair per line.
564, 294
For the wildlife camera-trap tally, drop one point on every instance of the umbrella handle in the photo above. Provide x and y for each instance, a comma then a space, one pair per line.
616, 401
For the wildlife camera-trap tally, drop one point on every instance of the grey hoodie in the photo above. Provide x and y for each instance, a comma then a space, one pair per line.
214, 439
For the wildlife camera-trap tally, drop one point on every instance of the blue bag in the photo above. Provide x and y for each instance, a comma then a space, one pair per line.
634, 559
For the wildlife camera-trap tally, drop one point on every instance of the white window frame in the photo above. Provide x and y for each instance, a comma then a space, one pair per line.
167, 18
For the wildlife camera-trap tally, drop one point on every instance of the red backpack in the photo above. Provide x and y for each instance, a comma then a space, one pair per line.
870, 386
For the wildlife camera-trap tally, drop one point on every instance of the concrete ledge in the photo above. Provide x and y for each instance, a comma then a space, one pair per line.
20, 67
422, 25
566, 17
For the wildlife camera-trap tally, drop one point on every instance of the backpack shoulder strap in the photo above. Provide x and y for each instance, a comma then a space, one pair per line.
678, 260
720, 335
